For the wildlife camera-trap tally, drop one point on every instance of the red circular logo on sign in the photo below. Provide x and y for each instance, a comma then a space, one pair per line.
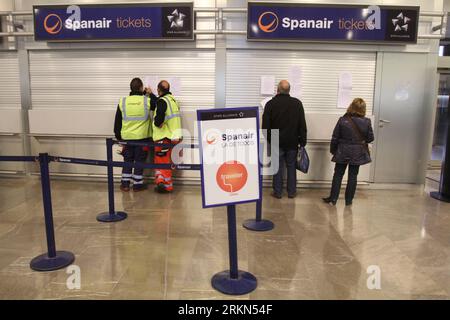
231, 176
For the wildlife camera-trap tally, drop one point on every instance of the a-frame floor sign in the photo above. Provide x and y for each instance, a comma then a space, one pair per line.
230, 175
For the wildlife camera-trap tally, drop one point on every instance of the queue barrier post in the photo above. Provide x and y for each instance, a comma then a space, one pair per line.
233, 281
259, 224
53, 259
111, 215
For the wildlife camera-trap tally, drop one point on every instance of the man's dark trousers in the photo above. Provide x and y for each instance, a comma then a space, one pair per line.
287, 158
134, 154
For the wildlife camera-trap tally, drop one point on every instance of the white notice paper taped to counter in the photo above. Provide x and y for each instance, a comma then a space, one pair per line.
345, 80
267, 85
344, 90
344, 98
152, 83
295, 80
175, 85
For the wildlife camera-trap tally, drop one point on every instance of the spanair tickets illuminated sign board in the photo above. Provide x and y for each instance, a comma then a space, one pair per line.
229, 155
343, 23
112, 22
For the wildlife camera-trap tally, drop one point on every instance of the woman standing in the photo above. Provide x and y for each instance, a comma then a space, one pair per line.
349, 146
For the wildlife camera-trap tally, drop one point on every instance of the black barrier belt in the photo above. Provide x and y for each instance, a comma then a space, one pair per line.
19, 158
89, 162
104, 163
154, 144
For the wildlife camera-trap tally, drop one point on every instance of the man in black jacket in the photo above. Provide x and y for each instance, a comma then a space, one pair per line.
286, 114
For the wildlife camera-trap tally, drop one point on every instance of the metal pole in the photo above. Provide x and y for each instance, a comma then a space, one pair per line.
259, 202
258, 224
110, 171
52, 260
233, 281
47, 200
232, 241
111, 215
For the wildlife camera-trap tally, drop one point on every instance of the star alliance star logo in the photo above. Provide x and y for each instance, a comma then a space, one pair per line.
176, 19
401, 22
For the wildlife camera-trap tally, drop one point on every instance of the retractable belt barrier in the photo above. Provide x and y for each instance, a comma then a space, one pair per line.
53, 259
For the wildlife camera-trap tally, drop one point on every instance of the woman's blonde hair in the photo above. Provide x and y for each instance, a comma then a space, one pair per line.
357, 108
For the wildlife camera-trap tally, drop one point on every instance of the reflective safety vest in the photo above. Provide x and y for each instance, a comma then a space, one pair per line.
136, 118
171, 127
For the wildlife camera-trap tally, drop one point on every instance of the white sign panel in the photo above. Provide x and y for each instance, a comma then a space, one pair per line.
229, 149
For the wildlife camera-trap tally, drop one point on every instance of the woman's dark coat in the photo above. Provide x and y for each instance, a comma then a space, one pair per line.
346, 145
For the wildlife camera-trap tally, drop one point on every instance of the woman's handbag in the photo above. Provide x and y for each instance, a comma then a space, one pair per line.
358, 131
302, 163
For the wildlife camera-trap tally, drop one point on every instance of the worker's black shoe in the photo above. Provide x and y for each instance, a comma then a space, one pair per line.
139, 188
275, 195
124, 188
160, 188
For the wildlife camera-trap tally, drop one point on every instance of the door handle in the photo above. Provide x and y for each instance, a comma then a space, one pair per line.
382, 122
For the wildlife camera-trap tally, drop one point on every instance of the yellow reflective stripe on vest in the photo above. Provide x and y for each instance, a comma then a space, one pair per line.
124, 109
169, 105
172, 121
175, 115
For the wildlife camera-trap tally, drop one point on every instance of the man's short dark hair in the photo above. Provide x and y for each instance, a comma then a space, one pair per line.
164, 86
136, 85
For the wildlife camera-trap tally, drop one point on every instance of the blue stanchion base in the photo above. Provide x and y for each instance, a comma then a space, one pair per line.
439, 196
245, 282
45, 263
261, 225
106, 217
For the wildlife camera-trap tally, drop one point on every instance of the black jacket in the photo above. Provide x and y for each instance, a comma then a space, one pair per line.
118, 118
347, 145
286, 113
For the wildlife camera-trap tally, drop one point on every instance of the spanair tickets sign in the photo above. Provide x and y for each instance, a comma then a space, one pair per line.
229, 149
343, 23
94, 22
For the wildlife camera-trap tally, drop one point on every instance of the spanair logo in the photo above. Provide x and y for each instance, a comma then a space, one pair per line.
401, 22
231, 176
268, 21
176, 19
52, 23
211, 137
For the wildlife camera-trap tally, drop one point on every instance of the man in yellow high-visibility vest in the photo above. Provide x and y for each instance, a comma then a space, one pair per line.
133, 123
166, 128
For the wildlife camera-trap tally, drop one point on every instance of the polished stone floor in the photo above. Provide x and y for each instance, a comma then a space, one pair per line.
169, 247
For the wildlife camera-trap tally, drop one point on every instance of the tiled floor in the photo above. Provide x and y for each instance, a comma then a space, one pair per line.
170, 247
